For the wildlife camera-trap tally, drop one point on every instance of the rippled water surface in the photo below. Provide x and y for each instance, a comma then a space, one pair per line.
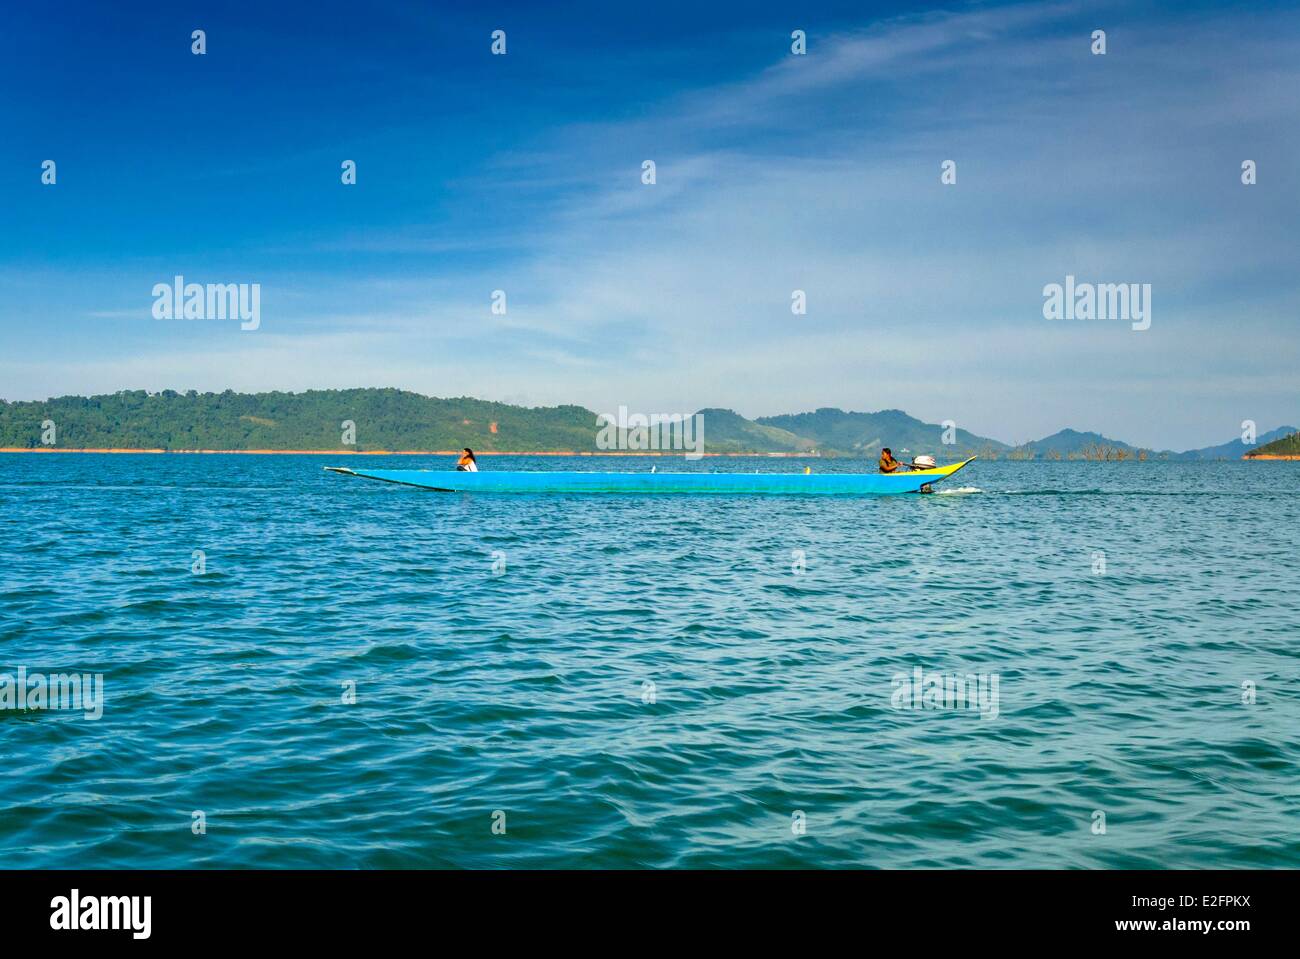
634, 681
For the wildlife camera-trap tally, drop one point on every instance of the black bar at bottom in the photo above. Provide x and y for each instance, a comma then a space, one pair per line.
946, 909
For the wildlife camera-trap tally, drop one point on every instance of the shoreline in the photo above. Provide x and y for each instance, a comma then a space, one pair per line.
1291, 457
673, 453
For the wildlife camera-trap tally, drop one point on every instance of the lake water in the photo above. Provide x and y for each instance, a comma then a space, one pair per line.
625, 681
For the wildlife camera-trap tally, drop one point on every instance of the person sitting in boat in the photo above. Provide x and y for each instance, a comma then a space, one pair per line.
887, 462
467, 463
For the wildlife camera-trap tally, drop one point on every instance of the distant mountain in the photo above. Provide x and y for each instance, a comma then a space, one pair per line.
863, 434
1072, 444
390, 419
1286, 446
1235, 449
726, 431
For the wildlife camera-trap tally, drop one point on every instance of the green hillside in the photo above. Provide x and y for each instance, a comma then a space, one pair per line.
1286, 446
385, 419
390, 419
863, 434
728, 431
1234, 449
1073, 444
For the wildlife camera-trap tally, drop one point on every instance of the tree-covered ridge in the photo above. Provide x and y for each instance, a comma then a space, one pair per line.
391, 419
1286, 446
864, 434
384, 419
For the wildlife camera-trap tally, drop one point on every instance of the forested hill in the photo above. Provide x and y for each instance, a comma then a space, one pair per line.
384, 419
381, 419
390, 419
1284, 446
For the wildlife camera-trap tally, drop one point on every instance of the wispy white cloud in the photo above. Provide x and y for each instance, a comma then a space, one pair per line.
821, 173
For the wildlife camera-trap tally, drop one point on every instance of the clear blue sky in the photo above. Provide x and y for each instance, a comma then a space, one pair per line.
775, 173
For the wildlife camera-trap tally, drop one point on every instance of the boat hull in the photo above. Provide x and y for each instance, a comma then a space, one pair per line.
771, 484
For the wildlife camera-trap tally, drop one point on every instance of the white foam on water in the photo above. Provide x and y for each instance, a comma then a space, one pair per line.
959, 491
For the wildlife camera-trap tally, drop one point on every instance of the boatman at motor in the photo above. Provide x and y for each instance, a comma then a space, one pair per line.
887, 462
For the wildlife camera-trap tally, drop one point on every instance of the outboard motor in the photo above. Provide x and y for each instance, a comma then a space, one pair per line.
924, 462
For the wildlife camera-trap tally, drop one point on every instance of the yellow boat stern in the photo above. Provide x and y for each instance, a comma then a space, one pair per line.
941, 472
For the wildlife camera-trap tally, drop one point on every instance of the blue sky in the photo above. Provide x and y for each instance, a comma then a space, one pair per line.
775, 173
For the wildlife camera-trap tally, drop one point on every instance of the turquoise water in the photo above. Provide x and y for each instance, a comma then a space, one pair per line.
518, 683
